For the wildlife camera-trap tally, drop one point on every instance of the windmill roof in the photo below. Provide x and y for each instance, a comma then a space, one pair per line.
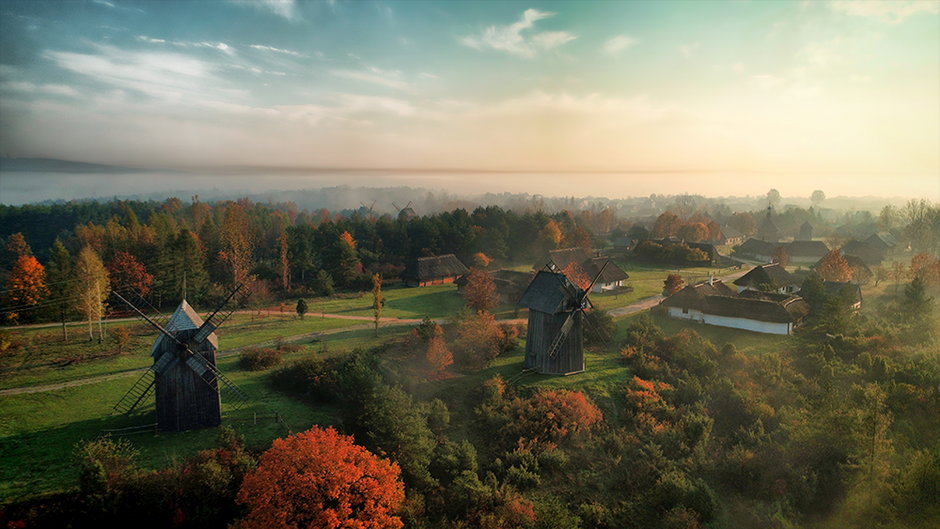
612, 273
185, 318
436, 267
546, 293
768, 274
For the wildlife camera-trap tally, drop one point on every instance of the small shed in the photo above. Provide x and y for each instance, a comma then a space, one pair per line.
434, 270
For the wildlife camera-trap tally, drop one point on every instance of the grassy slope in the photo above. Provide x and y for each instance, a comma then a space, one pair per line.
38, 431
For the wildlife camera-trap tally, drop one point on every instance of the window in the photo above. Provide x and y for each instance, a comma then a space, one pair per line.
685, 310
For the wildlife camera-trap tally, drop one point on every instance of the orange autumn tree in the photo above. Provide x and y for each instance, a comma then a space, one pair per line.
553, 416
127, 272
834, 267
438, 355
480, 290
321, 479
481, 260
26, 285
480, 340
552, 232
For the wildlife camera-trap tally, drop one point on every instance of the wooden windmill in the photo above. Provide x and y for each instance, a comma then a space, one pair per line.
555, 343
183, 374
406, 212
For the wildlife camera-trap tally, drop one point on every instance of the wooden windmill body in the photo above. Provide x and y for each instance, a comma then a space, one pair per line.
183, 374
555, 342
185, 401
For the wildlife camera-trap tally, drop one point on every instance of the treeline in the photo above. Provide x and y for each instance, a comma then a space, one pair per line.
163, 250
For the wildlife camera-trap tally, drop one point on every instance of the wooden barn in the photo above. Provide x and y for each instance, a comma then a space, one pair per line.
555, 343
612, 277
434, 270
185, 401
768, 278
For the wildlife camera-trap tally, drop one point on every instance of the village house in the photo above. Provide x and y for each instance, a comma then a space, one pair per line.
730, 236
756, 249
434, 270
714, 303
871, 253
563, 257
805, 251
612, 277
768, 278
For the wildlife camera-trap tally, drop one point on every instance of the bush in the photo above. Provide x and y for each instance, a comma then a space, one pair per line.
258, 359
308, 377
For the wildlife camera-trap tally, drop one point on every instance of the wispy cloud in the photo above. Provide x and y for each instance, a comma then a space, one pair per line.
687, 50
282, 8
104, 3
32, 88
389, 78
272, 49
511, 39
218, 46
617, 44
892, 11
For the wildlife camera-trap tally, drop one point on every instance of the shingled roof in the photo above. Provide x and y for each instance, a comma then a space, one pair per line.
612, 273
769, 274
185, 318
547, 294
436, 267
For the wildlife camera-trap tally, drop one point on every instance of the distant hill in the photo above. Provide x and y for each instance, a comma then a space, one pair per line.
50, 165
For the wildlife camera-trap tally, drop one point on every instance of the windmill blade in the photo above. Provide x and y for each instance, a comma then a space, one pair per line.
221, 313
138, 392
591, 286
562, 335
208, 373
144, 317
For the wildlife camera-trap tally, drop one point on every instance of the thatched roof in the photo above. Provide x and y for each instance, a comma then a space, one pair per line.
547, 294
693, 296
564, 257
612, 273
868, 252
436, 267
185, 318
769, 274
790, 310
814, 249
756, 247
882, 239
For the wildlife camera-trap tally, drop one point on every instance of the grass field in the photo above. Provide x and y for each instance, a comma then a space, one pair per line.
38, 431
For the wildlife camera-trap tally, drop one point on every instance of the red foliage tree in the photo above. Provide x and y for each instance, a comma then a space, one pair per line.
481, 260
127, 272
438, 355
672, 284
578, 237
668, 223
27, 282
926, 267
693, 231
834, 267
553, 416
321, 479
480, 290
577, 275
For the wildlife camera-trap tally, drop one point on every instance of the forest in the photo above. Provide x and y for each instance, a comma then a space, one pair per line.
675, 426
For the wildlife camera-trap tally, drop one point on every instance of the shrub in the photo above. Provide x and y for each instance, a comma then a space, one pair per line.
257, 358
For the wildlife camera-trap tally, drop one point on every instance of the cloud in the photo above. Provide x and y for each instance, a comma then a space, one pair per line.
389, 78
282, 8
218, 46
893, 11
283, 51
688, 49
32, 88
617, 44
510, 39
104, 3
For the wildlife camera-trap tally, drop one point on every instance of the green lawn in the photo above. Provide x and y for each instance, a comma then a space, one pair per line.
38, 431
435, 301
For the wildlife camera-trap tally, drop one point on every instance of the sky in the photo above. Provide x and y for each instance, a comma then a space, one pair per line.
719, 98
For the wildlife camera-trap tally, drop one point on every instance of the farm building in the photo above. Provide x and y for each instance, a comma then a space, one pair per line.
768, 278
562, 258
434, 270
713, 303
805, 251
872, 253
731, 236
611, 279
756, 249
510, 284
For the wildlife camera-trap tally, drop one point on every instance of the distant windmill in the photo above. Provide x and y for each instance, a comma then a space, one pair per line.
184, 374
406, 212
555, 343
367, 211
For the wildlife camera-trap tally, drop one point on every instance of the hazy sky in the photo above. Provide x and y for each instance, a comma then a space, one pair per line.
843, 96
